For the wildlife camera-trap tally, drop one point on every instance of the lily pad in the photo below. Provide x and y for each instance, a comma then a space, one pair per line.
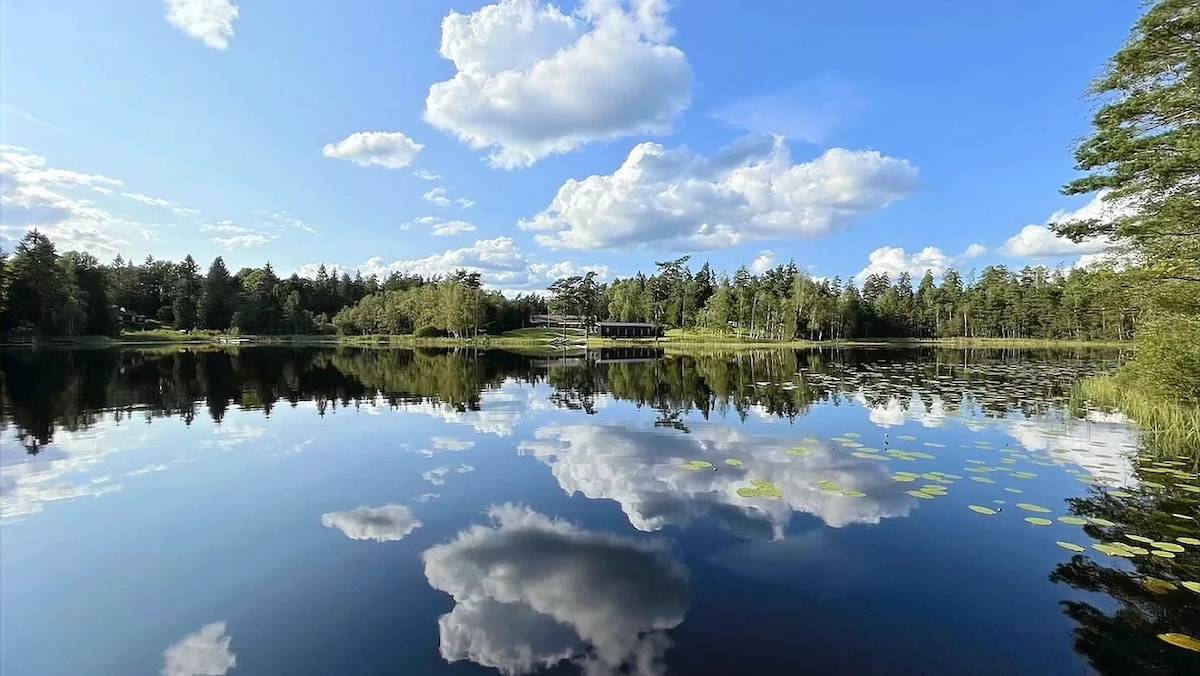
1157, 586
696, 465
919, 494
1111, 549
1169, 547
1030, 507
798, 450
1038, 521
1073, 520
1101, 522
983, 480
1120, 494
1139, 538
1181, 640
1069, 546
761, 488
981, 510
733, 462
1194, 586
1188, 540
1010, 489
851, 493
1162, 554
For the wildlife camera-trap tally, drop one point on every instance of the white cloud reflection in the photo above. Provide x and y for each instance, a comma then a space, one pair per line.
1100, 444
639, 468
531, 591
203, 653
386, 523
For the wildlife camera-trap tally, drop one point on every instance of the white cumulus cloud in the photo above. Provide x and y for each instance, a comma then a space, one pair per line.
203, 653
387, 149
531, 591
533, 81
893, 260
438, 196
750, 190
386, 523
447, 228
1039, 241
209, 21
765, 260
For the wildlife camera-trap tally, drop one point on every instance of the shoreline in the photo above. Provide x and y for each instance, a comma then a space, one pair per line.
673, 343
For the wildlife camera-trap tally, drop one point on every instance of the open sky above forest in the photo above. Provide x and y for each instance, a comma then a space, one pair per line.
530, 140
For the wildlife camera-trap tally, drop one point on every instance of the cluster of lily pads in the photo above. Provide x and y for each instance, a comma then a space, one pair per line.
760, 488
1039, 385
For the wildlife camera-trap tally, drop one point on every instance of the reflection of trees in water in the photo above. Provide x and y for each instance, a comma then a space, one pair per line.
49, 390
1124, 640
68, 389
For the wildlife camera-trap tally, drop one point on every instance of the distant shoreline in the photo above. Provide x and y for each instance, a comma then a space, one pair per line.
673, 341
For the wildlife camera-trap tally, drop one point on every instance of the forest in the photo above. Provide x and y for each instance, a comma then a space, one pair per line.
47, 294
50, 295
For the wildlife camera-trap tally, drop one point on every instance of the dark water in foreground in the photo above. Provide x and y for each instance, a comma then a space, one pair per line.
316, 511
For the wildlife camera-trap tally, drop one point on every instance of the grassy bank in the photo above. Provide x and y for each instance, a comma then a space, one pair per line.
1170, 426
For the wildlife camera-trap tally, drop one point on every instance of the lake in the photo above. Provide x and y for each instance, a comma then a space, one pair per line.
271, 511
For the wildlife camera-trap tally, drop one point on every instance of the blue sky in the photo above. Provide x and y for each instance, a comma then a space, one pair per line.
527, 139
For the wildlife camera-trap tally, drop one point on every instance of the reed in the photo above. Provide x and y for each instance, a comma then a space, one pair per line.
1169, 426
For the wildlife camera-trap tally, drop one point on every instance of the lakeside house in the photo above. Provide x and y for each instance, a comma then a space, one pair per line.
628, 330
130, 316
605, 329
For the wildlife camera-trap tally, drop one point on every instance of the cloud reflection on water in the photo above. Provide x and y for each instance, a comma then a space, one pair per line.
531, 591
202, 653
639, 468
386, 523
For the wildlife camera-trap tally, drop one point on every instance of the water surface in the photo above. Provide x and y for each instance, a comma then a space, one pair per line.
343, 511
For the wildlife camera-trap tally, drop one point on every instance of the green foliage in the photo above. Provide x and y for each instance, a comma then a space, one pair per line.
1144, 154
186, 302
42, 295
217, 298
456, 306
428, 332
780, 304
785, 304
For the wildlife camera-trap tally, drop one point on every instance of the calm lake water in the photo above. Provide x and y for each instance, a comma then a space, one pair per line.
278, 511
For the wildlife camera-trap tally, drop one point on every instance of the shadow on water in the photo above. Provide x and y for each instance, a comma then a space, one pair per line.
1118, 632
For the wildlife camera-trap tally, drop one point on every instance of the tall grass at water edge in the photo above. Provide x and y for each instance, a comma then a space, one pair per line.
1170, 427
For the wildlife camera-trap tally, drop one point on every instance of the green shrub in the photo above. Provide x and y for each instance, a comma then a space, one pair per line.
428, 332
